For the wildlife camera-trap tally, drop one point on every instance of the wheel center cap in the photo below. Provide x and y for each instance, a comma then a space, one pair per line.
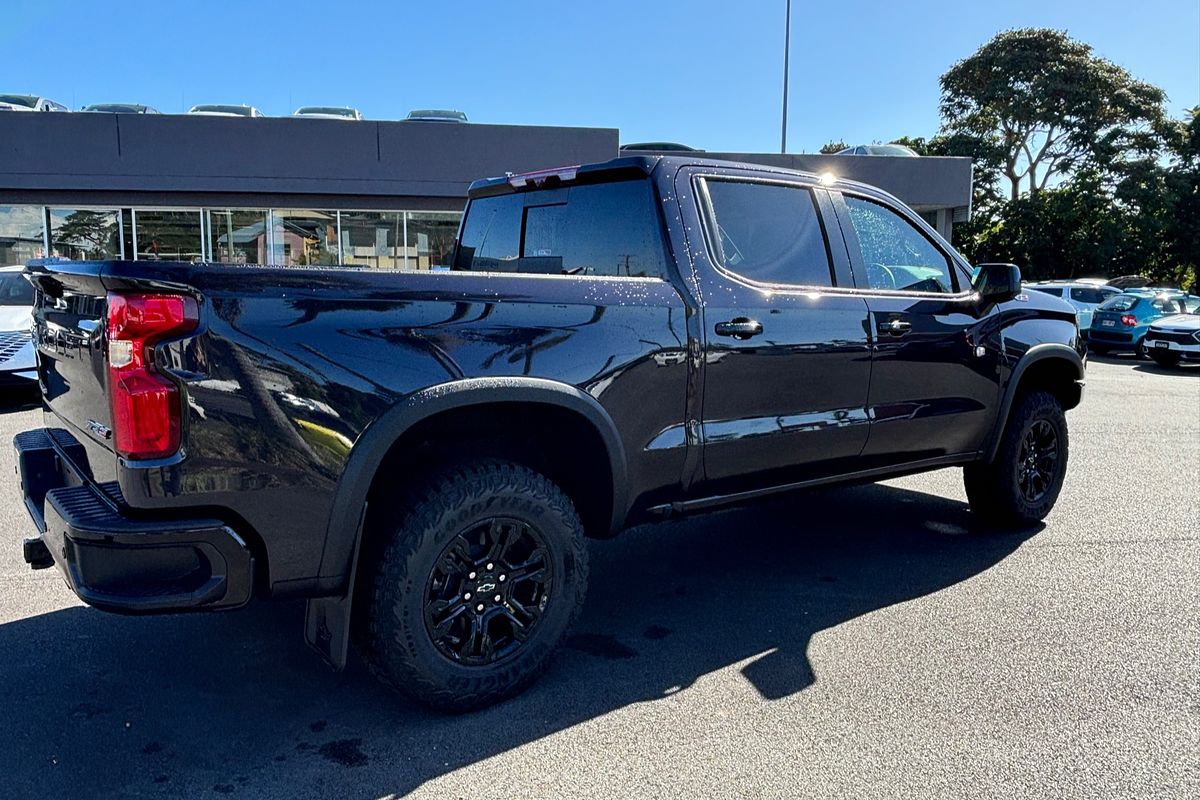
485, 587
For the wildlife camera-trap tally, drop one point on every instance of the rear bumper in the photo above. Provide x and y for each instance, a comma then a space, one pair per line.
113, 560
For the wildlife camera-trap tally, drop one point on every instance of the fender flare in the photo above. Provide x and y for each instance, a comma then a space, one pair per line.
1039, 352
376, 440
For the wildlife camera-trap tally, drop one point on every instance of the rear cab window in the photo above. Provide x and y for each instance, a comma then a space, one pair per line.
608, 229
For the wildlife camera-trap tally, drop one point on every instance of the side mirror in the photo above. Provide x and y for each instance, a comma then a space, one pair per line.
997, 283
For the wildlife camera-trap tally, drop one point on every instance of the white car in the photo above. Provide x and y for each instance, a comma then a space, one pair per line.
328, 112
220, 110
1173, 339
1083, 295
18, 362
29, 102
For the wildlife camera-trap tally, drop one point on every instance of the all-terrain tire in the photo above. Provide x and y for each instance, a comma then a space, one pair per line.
429, 529
1005, 492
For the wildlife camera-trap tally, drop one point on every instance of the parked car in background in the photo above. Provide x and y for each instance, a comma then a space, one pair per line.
120, 108
1175, 338
328, 112
1122, 322
29, 102
219, 110
436, 115
1083, 295
18, 363
879, 150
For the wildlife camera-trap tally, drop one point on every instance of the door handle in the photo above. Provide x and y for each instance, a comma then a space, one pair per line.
896, 327
739, 328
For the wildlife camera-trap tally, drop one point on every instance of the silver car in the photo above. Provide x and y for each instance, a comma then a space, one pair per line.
18, 362
29, 102
1082, 295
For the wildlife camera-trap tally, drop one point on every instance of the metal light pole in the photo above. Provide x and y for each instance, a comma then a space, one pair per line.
787, 46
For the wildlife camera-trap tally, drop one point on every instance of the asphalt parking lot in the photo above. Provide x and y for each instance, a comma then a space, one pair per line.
857, 642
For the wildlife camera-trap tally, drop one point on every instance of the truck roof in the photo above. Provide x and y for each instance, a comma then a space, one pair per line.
632, 167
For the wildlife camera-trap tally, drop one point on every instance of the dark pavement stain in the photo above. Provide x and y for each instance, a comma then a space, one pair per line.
345, 752
656, 632
281, 757
161, 778
223, 788
152, 748
318, 726
600, 645
304, 746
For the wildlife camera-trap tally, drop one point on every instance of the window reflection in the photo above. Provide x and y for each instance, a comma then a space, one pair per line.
20, 234
304, 237
373, 239
164, 235
430, 239
237, 236
84, 233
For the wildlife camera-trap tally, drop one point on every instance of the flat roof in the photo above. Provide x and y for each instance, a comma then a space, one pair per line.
169, 159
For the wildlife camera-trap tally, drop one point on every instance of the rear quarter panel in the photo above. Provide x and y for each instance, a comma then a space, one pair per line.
291, 366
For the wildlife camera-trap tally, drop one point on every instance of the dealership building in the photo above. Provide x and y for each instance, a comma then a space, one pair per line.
312, 191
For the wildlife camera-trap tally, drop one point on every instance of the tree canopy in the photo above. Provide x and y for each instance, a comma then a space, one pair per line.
1050, 105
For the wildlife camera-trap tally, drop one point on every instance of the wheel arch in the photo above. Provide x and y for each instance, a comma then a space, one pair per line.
382, 435
1057, 368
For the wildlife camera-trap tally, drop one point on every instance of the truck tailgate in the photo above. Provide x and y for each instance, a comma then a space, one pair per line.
69, 319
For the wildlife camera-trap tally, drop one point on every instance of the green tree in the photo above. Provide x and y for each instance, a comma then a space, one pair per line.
833, 146
1050, 106
93, 232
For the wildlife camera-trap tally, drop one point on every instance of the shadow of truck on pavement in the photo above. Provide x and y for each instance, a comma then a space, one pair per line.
93, 704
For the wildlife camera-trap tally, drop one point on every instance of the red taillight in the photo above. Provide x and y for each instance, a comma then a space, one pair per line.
145, 405
1129, 320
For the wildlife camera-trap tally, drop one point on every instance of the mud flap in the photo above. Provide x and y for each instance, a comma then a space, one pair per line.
327, 619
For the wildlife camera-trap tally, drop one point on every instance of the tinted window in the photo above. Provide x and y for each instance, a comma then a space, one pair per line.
597, 229
15, 290
896, 255
1054, 290
1122, 302
768, 233
1085, 294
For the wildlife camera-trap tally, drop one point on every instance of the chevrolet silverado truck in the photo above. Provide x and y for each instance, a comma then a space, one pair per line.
422, 454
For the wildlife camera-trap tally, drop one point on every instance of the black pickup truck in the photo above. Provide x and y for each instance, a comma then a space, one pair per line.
422, 454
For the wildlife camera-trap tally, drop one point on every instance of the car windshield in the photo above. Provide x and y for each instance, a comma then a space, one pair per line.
15, 290
1122, 302
890, 150
337, 112
19, 100
115, 108
241, 111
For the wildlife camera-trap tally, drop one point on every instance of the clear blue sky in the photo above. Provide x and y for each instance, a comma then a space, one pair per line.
703, 72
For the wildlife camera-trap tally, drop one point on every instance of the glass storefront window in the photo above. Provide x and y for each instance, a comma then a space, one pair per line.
21, 229
304, 237
84, 233
373, 239
163, 235
237, 236
430, 236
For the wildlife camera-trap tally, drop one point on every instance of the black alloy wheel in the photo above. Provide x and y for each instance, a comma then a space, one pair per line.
1037, 461
488, 590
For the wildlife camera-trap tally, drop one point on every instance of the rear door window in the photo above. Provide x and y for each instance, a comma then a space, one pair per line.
603, 229
1086, 294
769, 233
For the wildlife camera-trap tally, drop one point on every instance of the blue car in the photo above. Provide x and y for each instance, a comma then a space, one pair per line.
1121, 323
